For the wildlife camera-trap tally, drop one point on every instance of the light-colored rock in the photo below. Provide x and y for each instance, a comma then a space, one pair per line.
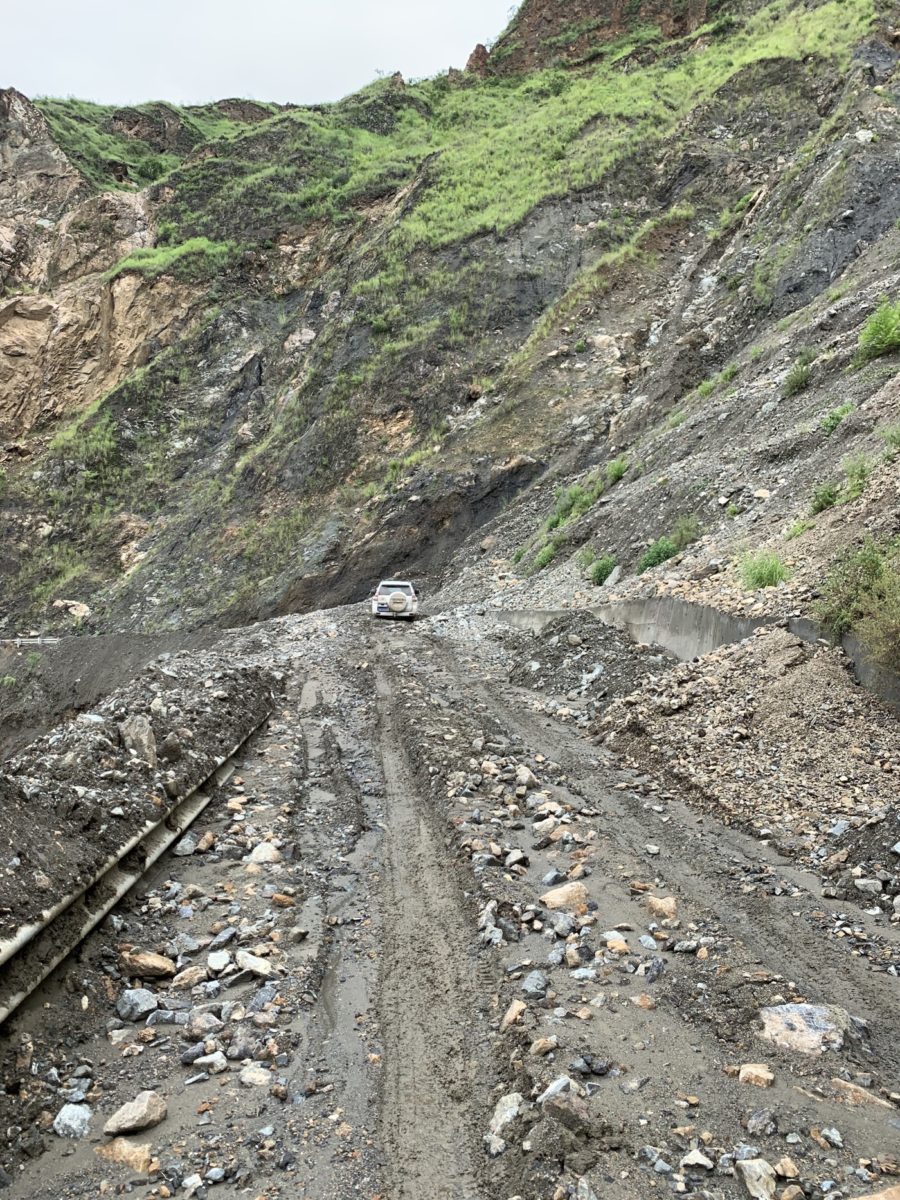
214, 1063
145, 964
568, 895
190, 977
543, 1046
255, 965
507, 1109
757, 1074
137, 736
807, 1028
255, 1077
758, 1178
853, 1094
265, 852
526, 778
143, 1112
786, 1168
696, 1158
891, 1193
513, 1014
73, 1121
135, 1156
662, 908
218, 961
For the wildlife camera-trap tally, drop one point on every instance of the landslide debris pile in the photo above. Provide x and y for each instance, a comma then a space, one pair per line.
582, 659
73, 799
772, 735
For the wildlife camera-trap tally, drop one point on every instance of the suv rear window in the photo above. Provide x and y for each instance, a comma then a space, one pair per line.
385, 589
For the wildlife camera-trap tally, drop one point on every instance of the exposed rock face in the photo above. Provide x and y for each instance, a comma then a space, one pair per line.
546, 31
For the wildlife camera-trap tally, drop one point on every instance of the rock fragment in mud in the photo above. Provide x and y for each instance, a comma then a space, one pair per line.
506, 1110
758, 1178
73, 1121
757, 1074
137, 737
145, 964
136, 1157
260, 967
136, 1003
567, 896
807, 1028
255, 1077
143, 1112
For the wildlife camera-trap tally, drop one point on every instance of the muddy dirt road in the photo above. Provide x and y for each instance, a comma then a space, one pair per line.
428, 943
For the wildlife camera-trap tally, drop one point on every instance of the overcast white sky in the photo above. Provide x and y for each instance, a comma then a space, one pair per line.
191, 51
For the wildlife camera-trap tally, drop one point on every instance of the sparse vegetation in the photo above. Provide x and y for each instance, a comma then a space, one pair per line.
196, 259
615, 470
890, 437
798, 529
832, 419
857, 471
8, 681
659, 552
685, 530
761, 570
862, 595
796, 380
880, 334
545, 556
601, 570
825, 496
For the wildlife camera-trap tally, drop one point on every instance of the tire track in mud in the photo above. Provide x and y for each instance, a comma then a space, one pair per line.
428, 997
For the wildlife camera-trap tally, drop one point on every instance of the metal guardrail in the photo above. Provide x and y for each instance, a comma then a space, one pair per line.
30, 641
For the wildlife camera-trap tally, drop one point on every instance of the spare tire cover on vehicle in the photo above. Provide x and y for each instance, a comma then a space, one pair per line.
397, 602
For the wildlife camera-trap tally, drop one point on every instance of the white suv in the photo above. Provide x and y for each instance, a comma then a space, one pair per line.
395, 598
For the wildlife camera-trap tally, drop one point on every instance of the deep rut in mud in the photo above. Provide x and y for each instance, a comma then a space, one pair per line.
427, 1002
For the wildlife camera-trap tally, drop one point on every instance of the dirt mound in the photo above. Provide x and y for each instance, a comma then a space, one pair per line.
580, 658
773, 734
72, 799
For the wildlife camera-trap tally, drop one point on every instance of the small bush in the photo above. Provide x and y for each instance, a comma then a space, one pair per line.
857, 471
580, 346
586, 556
661, 550
685, 531
796, 380
891, 438
761, 570
825, 496
862, 595
831, 420
601, 570
881, 333
519, 554
545, 556
615, 470
8, 681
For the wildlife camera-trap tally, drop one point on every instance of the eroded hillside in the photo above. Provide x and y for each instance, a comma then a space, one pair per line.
253, 356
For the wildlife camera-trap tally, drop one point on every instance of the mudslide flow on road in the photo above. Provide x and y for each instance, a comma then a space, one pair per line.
427, 942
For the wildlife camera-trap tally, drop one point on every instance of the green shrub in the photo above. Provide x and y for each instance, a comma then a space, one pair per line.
862, 595
545, 556
891, 438
685, 531
831, 420
8, 681
796, 380
857, 470
762, 569
825, 496
580, 346
615, 470
881, 332
602, 569
586, 556
519, 554
661, 550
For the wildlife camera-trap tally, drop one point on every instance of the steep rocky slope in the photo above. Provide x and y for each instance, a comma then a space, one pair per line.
252, 357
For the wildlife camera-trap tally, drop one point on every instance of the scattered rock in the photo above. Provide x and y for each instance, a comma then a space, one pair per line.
260, 967
757, 1074
147, 965
758, 1178
807, 1028
568, 896
137, 1157
143, 1112
73, 1121
136, 1003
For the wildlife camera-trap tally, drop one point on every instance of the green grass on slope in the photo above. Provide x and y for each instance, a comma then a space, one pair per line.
85, 133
